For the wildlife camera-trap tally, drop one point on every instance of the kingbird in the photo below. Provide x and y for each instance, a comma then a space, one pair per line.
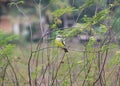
60, 42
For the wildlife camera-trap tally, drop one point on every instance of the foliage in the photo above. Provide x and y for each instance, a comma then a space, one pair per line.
88, 3
116, 20
6, 45
115, 60
6, 50
61, 11
100, 16
87, 66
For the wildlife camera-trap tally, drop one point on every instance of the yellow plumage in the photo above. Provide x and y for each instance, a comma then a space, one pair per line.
60, 42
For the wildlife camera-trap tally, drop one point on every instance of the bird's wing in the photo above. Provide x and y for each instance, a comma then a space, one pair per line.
63, 42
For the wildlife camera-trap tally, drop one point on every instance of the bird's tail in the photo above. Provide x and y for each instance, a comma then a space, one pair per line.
65, 49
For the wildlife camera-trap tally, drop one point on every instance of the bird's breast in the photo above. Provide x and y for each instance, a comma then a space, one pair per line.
59, 43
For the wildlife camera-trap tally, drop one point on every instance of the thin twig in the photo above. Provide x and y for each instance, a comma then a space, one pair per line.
43, 75
58, 69
88, 71
48, 58
101, 68
16, 79
29, 75
69, 49
70, 73
29, 71
4, 72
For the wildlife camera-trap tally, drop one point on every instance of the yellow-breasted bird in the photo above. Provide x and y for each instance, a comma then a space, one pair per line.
60, 42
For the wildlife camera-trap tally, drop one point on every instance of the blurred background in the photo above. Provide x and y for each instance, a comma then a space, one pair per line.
18, 16
29, 56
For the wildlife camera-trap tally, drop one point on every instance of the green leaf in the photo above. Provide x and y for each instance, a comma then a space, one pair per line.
54, 26
80, 62
73, 32
20, 2
61, 11
11, 4
103, 28
88, 3
115, 60
91, 42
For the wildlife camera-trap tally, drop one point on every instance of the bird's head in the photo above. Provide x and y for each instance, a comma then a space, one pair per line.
59, 36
